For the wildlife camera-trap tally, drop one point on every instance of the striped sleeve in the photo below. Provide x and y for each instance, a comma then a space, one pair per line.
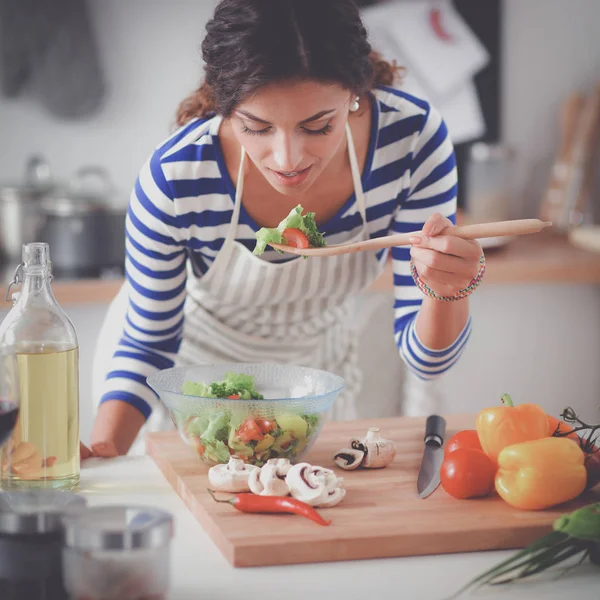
155, 270
432, 189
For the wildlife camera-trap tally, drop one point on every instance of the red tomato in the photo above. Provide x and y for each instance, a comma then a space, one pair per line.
265, 425
295, 238
592, 466
467, 473
197, 442
463, 439
249, 431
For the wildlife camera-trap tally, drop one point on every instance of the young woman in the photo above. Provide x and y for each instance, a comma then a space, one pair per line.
295, 108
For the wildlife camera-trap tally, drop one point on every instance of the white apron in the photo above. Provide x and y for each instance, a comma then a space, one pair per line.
301, 312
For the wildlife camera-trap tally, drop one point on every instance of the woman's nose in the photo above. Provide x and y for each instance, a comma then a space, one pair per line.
287, 153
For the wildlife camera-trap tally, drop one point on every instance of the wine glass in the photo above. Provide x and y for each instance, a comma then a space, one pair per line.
9, 393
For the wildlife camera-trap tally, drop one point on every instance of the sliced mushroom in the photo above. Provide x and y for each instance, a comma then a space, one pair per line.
348, 458
232, 477
333, 498
379, 451
315, 485
270, 479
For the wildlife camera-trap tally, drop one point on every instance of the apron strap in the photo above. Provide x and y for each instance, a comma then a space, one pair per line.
356, 176
239, 190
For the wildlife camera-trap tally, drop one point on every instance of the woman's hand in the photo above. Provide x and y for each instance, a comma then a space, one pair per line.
445, 263
98, 450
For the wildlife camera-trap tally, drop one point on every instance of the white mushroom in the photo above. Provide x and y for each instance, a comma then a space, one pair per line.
348, 458
315, 485
232, 477
378, 451
335, 497
270, 479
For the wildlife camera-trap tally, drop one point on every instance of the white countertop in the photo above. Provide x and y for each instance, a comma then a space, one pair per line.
198, 570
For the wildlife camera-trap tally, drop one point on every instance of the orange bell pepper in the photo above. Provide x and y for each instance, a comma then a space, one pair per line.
503, 426
541, 473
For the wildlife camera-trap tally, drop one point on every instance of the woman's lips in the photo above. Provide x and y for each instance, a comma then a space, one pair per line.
291, 177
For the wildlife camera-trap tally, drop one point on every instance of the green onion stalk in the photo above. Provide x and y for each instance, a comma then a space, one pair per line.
574, 535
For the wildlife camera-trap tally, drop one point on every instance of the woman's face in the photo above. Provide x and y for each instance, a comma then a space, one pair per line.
292, 130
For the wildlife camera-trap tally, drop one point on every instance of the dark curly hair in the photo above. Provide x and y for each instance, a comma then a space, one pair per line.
250, 43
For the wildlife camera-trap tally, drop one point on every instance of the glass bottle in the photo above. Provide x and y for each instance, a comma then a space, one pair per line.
43, 451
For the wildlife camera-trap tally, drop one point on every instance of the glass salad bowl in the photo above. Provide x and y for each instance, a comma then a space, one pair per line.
284, 424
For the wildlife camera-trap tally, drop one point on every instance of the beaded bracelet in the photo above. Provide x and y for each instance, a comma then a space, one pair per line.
425, 289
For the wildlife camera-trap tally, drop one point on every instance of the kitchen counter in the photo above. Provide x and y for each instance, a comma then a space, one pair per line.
540, 258
199, 569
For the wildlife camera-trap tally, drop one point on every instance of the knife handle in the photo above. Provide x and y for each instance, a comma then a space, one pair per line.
435, 429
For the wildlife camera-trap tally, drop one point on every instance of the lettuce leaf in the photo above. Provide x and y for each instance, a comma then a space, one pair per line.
192, 388
217, 451
238, 384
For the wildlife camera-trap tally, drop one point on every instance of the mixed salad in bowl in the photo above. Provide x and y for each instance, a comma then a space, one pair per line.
255, 439
229, 416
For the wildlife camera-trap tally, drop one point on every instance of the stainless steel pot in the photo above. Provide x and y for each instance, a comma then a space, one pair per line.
19, 208
85, 232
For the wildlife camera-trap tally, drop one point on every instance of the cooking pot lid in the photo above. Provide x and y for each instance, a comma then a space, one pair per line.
36, 183
66, 204
36, 511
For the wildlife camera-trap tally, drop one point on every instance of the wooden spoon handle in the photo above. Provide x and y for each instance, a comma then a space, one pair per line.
500, 228
478, 230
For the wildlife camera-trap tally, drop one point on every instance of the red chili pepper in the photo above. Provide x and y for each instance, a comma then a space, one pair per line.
252, 503
233, 397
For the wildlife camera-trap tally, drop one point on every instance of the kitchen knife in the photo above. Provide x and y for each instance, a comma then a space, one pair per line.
433, 456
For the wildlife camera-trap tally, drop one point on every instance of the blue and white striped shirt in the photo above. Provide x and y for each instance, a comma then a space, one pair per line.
182, 204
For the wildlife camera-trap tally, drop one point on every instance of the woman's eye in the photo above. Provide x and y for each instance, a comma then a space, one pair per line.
323, 131
255, 131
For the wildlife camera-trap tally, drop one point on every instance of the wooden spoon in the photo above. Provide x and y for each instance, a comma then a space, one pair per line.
467, 232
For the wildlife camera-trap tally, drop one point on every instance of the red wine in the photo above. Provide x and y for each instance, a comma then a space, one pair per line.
8, 418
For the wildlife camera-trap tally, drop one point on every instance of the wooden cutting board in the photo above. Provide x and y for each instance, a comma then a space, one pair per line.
381, 516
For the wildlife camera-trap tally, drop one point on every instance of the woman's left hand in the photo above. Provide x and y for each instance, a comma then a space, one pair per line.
444, 262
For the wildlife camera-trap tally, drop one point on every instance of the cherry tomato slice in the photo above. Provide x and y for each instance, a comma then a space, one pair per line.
295, 237
467, 473
463, 439
265, 425
249, 431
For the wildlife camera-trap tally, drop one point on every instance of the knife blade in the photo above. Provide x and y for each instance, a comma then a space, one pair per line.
433, 456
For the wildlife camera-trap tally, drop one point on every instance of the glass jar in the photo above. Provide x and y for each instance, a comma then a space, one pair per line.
31, 542
43, 450
489, 183
117, 553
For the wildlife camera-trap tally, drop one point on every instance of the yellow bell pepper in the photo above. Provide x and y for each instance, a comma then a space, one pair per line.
541, 473
505, 425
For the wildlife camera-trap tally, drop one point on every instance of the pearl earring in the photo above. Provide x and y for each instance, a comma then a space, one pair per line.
355, 105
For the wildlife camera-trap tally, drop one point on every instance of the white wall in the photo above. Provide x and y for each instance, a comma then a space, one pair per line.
551, 49
151, 57
150, 51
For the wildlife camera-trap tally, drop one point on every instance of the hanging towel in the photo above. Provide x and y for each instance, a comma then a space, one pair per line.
51, 46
